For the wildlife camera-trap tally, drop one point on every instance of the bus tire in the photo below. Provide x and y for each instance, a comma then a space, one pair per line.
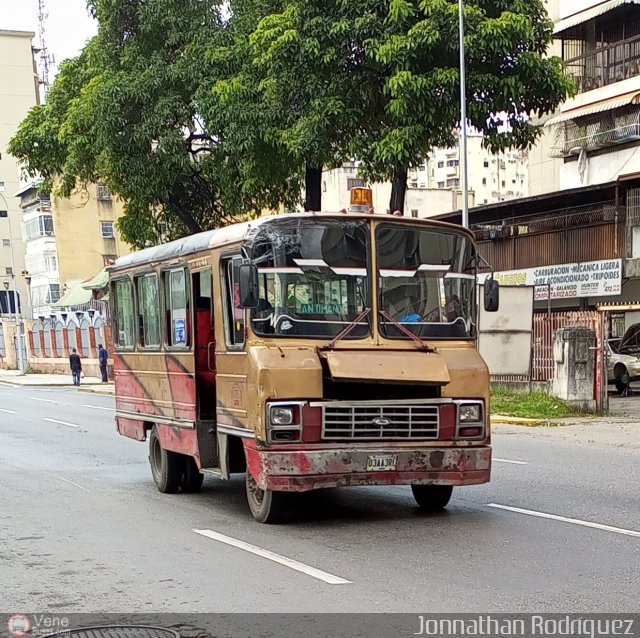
167, 467
266, 506
192, 479
432, 498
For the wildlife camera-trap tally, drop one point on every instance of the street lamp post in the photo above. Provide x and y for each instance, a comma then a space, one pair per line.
16, 305
463, 120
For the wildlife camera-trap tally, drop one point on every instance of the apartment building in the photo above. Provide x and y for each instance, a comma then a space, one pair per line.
19, 91
594, 138
492, 178
41, 255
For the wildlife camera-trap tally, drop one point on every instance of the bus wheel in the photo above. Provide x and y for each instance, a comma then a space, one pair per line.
266, 506
192, 479
432, 498
167, 467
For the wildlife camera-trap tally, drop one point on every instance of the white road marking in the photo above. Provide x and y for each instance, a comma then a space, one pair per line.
564, 519
276, 558
43, 400
69, 425
84, 489
7, 411
99, 407
509, 461
10, 385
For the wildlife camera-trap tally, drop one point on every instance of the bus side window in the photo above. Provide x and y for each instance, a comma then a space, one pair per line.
234, 313
178, 319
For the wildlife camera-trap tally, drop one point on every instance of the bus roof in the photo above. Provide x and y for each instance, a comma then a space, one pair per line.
235, 233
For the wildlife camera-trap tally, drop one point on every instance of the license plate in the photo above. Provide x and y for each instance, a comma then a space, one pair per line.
382, 463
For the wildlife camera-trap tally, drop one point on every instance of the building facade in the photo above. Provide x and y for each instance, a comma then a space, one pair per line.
19, 91
41, 255
86, 235
594, 138
492, 178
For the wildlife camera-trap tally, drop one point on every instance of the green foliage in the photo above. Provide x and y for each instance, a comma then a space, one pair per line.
528, 405
195, 111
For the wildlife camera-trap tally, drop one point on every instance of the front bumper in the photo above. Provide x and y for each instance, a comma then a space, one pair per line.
302, 470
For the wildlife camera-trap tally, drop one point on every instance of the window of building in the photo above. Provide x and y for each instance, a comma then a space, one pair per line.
453, 162
6, 243
354, 182
484, 181
41, 226
9, 271
1, 187
414, 212
486, 201
235, 315
513, 181
50, 263
103, 193
486, 163
54, 293
503, 184
148, 311
109, 260
453, 182
107, 230
440, 184
124, 334
441, 164
324, 185
176, 296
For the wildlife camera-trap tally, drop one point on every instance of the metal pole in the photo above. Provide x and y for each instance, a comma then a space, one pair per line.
463, 120
20, 352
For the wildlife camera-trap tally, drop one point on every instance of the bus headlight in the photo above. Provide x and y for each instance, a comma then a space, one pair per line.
471, 420
279, 415
470, 413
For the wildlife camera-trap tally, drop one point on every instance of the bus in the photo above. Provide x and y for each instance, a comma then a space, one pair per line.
308, 351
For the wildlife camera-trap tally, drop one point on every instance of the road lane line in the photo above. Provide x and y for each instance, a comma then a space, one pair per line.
7, 411
69, 425
564, 519
99, 407
84, 489
10, 385
276, 558
509, 461
43, 400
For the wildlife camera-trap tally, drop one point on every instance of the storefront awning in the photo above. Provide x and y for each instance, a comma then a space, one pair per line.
598, 107
99, 282
589, 14
74, 297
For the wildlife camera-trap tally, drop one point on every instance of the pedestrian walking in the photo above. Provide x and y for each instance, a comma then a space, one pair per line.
76, 366
103, 358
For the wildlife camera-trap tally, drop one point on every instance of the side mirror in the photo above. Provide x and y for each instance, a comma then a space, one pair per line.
249, 288
491, 295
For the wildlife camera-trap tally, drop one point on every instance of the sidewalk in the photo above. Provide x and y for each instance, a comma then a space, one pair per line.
92, 384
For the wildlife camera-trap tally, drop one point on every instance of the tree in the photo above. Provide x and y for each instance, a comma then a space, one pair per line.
509, 79
127, 112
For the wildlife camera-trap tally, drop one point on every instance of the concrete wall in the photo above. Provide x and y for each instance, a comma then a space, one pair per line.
18, 93
81, 249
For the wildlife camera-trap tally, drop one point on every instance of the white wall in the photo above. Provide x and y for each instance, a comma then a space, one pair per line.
601, 169
569, 7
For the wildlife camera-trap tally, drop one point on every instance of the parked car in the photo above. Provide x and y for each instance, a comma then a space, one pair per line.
624, 358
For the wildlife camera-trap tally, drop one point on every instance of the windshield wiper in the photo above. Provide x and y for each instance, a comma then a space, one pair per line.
406, 332
349, 328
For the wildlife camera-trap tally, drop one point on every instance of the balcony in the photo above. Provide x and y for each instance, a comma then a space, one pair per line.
574, 144
605, 49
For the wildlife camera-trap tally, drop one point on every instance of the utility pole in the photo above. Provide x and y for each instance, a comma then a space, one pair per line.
463, 120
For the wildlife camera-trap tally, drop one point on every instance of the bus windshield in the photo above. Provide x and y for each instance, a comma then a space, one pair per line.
313, 278
427, 283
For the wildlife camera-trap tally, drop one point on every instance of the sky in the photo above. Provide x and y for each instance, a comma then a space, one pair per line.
68, 25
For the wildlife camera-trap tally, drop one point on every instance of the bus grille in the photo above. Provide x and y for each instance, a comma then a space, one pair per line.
373, 422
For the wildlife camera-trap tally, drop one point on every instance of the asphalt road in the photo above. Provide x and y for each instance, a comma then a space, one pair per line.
83, 528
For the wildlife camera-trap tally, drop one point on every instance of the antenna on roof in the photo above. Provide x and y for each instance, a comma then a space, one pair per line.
46, 60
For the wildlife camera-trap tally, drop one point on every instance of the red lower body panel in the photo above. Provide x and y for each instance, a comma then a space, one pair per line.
300, 470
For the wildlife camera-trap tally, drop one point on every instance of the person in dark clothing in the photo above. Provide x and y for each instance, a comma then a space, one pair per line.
76, 366
103, 358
